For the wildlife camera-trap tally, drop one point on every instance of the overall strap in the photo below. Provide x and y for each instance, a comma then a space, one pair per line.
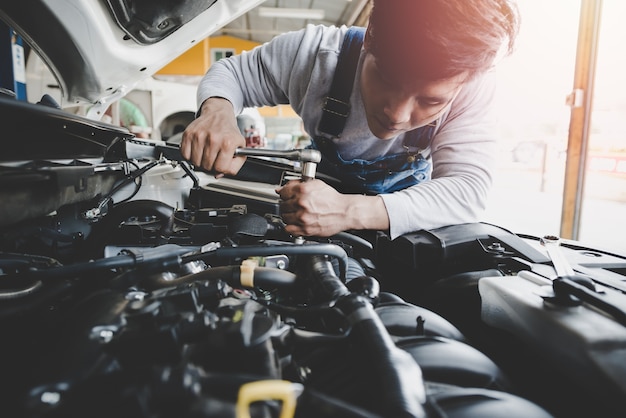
417, 142
337, 104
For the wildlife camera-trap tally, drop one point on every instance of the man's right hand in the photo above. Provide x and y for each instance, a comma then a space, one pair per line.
210, 140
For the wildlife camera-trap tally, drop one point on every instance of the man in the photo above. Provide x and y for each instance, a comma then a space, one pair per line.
422, 92
130, 116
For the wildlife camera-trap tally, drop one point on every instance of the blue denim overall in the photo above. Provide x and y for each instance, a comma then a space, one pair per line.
384, 174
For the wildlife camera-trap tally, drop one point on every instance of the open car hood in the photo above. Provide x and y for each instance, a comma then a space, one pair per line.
99, 49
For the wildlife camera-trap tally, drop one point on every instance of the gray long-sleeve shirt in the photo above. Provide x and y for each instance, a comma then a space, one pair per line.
297, 68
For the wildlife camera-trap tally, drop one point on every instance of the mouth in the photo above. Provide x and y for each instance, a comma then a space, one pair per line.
389, 127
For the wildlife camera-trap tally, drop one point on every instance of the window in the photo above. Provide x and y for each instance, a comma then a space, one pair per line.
535, 86
219, 53
534, 118
603, 209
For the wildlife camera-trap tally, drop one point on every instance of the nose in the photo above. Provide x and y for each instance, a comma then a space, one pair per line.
398, 109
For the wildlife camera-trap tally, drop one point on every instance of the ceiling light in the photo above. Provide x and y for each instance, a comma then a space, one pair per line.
316, 14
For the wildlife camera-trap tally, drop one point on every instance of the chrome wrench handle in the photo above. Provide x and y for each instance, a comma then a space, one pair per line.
308, 157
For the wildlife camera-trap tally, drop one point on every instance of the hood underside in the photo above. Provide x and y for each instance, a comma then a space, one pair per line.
99, 49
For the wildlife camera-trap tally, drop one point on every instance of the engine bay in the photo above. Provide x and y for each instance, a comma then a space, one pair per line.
134, 285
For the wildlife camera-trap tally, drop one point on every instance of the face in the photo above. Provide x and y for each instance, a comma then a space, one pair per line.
393, 109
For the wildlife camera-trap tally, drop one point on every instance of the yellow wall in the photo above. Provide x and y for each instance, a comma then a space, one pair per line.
238, 44
197, 60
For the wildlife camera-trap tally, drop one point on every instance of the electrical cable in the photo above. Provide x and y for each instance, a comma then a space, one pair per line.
101, 207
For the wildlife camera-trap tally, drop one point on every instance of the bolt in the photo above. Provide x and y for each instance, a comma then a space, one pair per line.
50, 398
103, 334
304, 372
135, 295
106, 335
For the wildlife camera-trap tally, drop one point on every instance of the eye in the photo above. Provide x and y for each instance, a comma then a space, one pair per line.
429, 102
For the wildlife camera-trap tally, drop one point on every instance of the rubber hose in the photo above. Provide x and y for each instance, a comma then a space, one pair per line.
264, 277
286, 249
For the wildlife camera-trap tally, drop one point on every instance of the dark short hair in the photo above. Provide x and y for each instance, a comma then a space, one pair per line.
439, 39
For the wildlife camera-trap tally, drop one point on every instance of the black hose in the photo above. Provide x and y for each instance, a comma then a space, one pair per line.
349, 238
399, 378
74, 270
263, 277
43, 298
134, 175
328, 284
23, 291
402, 390
158, 258
355, 269
286, 249
9, 261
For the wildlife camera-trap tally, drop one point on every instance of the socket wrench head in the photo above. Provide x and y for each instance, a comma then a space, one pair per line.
310, 156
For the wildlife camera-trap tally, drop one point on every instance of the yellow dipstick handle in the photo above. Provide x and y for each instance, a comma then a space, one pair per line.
282, 390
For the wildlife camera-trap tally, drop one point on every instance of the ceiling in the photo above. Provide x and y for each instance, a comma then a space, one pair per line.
256, 28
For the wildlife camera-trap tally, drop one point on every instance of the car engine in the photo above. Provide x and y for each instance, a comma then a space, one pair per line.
132, 284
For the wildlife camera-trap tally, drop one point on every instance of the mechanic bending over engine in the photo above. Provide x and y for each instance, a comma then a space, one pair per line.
418, 141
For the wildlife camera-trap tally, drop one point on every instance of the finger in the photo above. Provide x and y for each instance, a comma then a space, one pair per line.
196, 150
191, 146
292, 222
237, 163
297, 230
185, 146
289, 201
287, 207
227, 163
225, 160
289, 190
209, 154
